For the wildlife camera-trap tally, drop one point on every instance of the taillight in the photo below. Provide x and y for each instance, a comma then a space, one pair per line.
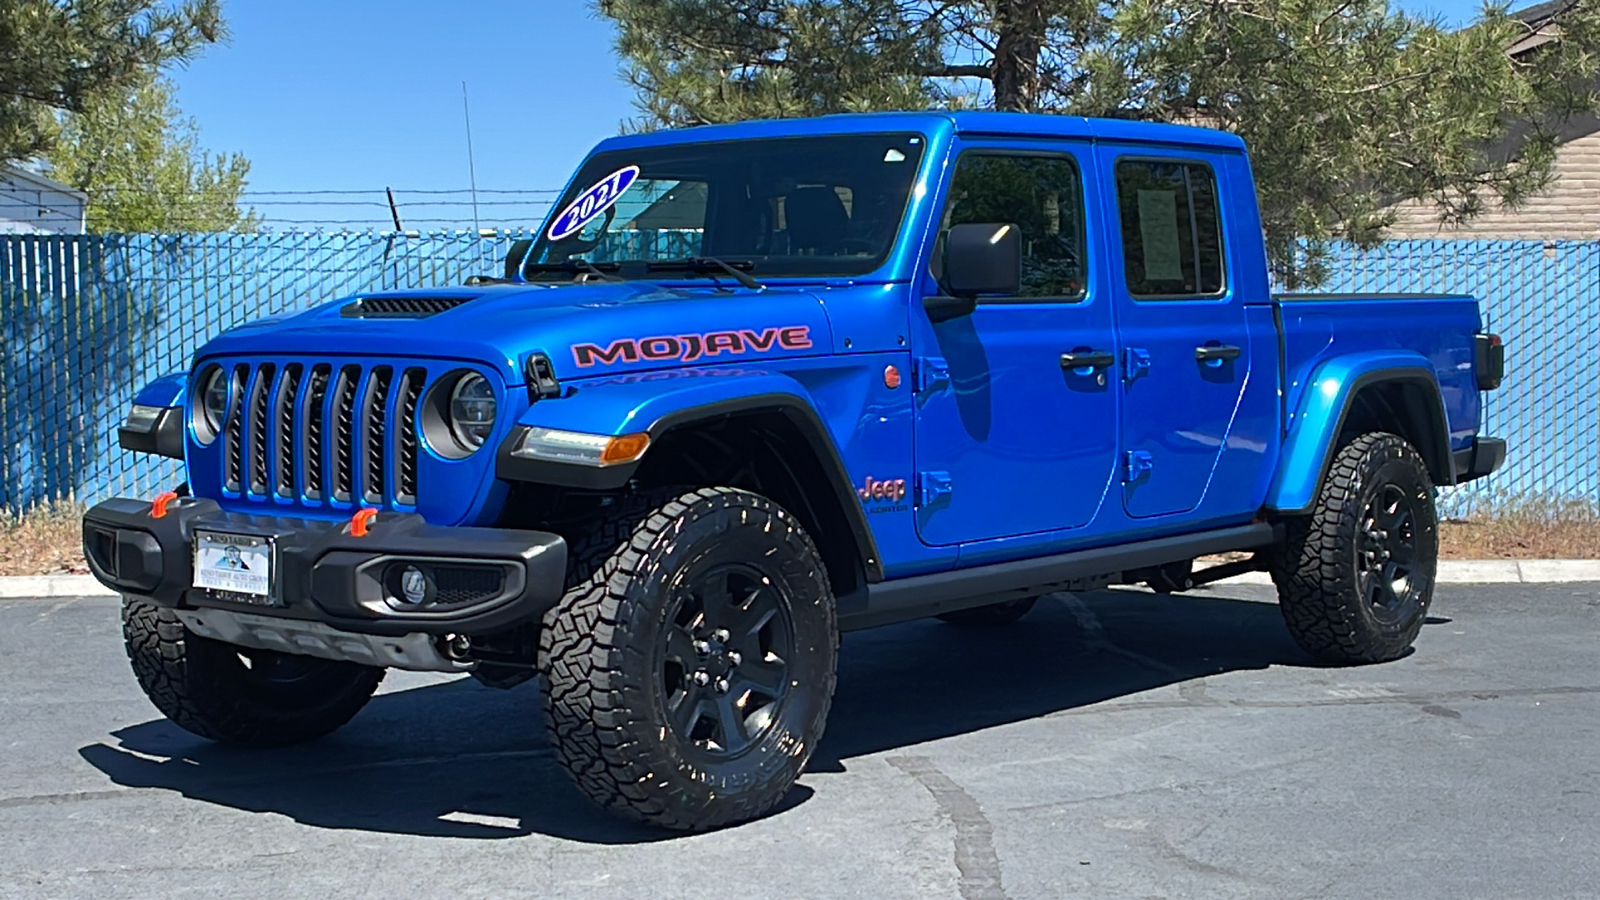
1488, 360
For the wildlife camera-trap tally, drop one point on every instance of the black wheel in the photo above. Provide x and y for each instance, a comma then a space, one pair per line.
690, 666
1356, 576
1003, 613
237, 695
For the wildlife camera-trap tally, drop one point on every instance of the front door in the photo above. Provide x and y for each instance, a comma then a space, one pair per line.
1186, 354
1016, 402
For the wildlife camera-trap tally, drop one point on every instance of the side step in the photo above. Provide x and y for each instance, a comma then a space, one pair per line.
927, 595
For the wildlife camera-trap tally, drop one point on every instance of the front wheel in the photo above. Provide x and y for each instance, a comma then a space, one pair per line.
690, 665
238, 695
1356, 576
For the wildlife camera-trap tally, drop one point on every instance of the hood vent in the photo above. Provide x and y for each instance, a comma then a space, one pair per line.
401, 307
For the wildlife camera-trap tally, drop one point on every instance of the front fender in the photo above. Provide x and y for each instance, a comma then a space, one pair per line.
155, 423
651, 402
165, 392
1309, 446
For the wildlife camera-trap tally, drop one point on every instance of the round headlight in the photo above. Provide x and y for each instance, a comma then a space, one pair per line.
212, 404
472, 409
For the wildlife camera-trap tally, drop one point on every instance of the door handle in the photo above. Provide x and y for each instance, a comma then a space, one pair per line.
1216, 353
1088, 359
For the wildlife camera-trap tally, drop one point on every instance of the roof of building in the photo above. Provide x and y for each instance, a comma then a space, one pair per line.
9, 172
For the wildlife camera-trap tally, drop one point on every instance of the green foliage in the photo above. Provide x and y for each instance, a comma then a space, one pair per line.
139, 161
1349, 106
58, 56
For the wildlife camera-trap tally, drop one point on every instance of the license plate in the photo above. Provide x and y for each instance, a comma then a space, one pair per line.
234, 563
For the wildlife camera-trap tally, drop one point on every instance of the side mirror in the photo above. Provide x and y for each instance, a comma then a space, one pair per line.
983, 258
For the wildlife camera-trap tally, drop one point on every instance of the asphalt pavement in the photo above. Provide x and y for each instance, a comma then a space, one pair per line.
1113, 744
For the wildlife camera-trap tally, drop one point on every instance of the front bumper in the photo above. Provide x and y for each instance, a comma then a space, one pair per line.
327, 576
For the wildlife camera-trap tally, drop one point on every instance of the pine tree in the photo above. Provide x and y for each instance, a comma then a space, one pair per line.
57, 56
1349, 106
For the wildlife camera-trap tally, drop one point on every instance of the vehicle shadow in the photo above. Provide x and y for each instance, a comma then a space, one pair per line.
455, 759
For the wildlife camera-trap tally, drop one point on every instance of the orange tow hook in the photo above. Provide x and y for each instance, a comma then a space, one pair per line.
158, 506
360, 521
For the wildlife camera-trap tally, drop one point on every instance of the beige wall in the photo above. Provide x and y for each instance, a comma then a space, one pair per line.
1569, 210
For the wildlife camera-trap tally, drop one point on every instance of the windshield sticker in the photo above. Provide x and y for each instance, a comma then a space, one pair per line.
599, 197
690, 347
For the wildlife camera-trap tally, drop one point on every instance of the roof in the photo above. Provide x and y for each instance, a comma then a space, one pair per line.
936, 122
1541, 13
1543, 23
9, 172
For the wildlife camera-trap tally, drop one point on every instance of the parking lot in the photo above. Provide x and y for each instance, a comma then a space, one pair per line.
1115, 744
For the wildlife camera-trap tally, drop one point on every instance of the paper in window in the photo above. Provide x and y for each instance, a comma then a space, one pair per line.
1158, 230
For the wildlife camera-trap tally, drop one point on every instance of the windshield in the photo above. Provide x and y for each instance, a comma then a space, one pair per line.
804, 206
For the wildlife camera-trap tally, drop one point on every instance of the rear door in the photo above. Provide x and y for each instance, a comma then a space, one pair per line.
1186, 353
1009, 439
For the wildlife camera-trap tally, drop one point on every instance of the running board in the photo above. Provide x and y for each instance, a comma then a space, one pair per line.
927, 595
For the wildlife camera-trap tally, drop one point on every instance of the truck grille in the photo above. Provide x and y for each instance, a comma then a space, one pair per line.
320, 434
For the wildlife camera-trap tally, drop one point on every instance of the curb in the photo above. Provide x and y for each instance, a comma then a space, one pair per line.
1451, 571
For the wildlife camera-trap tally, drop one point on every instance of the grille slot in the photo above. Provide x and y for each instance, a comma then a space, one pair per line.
344, 432
283, 443
410, 397
374, 412
312, 412
233, 431
318, 433
260, 387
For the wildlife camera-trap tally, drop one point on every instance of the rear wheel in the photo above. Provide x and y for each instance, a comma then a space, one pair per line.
239, 695
690, 665
1356, 576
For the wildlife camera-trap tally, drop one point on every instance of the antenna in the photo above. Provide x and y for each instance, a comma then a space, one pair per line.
472, 171
393, 209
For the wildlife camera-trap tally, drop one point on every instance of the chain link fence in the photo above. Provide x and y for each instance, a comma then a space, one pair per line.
86, 320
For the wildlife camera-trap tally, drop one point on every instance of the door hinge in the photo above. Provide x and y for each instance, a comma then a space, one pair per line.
1137, 465
933, 485
931, 372
1135, 362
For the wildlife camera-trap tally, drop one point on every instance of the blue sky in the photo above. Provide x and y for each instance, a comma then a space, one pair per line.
356, 95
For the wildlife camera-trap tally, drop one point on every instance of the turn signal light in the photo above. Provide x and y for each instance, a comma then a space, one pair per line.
624, 448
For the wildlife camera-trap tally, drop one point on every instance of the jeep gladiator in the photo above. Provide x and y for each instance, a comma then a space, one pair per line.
753, 385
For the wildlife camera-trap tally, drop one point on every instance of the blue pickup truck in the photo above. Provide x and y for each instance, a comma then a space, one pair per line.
754, 385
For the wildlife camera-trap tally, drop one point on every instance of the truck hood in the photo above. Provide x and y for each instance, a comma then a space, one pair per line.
585, 329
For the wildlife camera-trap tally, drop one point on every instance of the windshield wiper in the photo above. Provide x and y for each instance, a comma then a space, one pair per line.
602, 270
709, 265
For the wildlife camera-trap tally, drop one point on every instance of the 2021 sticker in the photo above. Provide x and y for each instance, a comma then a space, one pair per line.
588, 206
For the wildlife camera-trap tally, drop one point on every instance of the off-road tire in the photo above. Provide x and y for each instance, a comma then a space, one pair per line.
1321, 566
205, 687
603, 648
1003, 613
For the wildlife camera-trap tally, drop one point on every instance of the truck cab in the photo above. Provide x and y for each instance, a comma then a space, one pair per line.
753, 385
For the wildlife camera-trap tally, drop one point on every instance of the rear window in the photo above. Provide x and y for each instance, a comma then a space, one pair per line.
1171, 229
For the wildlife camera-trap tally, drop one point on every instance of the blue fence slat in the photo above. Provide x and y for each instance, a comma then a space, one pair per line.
85, 320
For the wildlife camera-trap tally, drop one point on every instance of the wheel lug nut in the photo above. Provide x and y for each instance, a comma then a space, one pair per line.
720, 634
722, 685
702, 647
701, 678
734, 658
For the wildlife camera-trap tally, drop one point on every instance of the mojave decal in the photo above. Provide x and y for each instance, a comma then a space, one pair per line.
690, 347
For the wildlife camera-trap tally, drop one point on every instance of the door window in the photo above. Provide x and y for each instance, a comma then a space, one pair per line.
1043, 197
1171, 229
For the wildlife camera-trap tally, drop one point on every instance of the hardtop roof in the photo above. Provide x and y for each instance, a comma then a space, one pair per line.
1006, 124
